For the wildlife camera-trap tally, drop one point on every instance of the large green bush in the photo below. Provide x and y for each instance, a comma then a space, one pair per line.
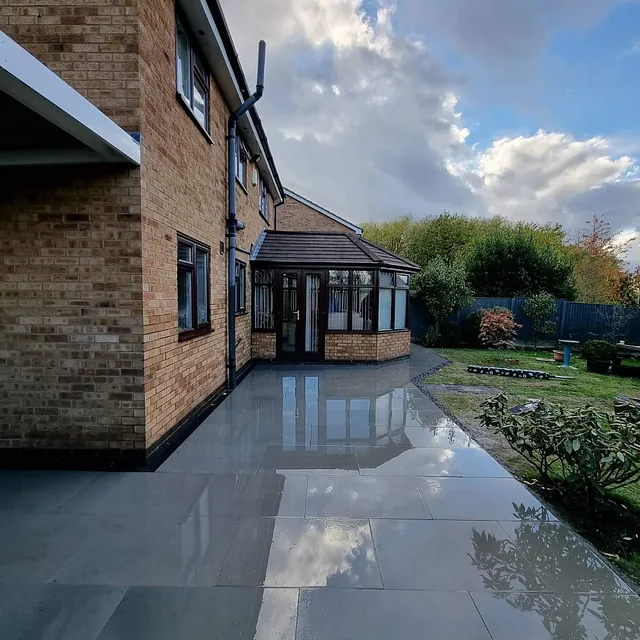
590, 450
537, 309
598, 350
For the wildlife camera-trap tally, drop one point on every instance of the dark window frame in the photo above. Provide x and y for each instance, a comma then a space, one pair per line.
241, 291
255, 307
242, 161
264, 200
191, 267
195, 74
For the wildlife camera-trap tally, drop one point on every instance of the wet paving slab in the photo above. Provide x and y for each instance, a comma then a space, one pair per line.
316, 502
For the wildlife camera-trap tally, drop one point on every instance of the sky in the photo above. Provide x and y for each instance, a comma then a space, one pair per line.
527, 109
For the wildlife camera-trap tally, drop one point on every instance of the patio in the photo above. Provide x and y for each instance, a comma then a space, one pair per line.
316, 502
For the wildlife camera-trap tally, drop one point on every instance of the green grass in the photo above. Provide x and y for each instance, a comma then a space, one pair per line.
615, 522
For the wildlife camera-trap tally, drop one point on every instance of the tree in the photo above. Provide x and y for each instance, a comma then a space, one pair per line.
599, 262
514, 262
443, 288
392, 235
538, 308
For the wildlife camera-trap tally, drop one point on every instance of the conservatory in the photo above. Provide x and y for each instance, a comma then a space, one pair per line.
328, 297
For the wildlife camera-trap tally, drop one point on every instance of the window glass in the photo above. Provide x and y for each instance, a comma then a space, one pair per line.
338, 308
362, 277
185, 252
263, 299
202, 289
402, 280
338, 277
241, 162
185, 315
362, 310
199, 101
241, 278
384, 310
183, 63
400, 320
264, 276
386, 279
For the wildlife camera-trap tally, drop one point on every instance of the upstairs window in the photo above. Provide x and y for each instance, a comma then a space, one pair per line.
193, 287
192, 78
265, 200
241, 287
241, 162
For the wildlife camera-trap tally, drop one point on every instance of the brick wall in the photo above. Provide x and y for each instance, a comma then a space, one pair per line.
264, 345
71, 361
91, 44
297, 216
367, 347
184, 178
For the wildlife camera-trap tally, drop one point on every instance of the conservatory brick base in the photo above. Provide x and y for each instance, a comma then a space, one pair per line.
367, 347
263, 345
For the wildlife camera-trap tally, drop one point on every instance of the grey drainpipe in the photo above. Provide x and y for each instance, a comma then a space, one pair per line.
232, 222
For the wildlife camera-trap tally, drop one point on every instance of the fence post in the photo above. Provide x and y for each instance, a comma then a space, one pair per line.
563, 317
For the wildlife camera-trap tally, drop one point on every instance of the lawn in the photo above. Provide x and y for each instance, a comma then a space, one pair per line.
616, 521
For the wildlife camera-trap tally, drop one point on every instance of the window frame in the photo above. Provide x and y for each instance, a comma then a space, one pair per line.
204, 77
255, 308
192, 268
242, 161
241, 278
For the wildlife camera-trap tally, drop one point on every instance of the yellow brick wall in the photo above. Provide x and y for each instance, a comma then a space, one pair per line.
264, 345
297, 216
367, 347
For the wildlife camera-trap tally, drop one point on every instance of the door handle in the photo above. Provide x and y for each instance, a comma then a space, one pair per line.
296, 314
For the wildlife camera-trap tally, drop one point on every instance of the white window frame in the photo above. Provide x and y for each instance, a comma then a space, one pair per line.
241, 162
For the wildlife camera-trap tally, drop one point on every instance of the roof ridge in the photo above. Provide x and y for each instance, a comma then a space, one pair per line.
358, 242
391, 253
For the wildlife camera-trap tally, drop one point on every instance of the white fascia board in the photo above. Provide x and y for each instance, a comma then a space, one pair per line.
27, 80
199, 18
325, 212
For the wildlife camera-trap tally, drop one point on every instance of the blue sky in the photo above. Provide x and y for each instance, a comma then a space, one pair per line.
520, 108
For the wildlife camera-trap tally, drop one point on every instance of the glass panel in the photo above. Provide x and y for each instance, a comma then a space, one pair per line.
264, 276
240, 286
362, 310
362, 277
201, 287
185, 252
400, 320
384, 311
402, 280
312, 317
338, 309
200, 101
263, 306
386, 279
185, 317
183, 64
338, 277
289, 312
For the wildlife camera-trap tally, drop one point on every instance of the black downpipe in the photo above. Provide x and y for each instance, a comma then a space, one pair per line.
232, 222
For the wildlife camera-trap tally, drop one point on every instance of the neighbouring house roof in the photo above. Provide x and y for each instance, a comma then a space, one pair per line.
214, 39
325, 212
326, 249
49, 121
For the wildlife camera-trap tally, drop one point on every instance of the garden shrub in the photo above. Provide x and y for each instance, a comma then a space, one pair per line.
598, 350
537, 309
590, 450
498, 329
471, 331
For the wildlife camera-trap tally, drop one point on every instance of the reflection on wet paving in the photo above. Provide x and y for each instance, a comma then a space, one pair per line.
314, 502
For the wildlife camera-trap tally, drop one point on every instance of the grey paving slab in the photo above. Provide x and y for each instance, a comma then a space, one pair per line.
480, 499
349, 614
440, 435
158, 552
206, 456
55, 612
476, 463
559, 617
563, 559
40, 491
34, 546
364, 497
405, 462
329, 460
442, 555
301, 552
205, 613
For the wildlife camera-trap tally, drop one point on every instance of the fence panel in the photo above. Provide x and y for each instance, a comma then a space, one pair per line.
571, 320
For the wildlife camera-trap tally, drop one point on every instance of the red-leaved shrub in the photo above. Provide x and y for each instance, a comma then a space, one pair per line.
498, 329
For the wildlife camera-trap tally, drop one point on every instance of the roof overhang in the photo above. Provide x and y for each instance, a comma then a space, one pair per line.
325, 212
203, 24
52, 123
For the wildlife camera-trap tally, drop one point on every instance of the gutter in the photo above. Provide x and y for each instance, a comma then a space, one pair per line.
232, 222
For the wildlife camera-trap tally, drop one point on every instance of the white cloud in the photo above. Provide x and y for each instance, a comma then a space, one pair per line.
365, 119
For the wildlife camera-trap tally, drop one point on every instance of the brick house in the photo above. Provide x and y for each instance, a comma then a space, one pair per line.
118, 305
297, 213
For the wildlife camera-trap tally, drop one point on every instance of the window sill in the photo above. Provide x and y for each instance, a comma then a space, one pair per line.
254, 330
194, 333
242, 312
242, 186
187, 108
